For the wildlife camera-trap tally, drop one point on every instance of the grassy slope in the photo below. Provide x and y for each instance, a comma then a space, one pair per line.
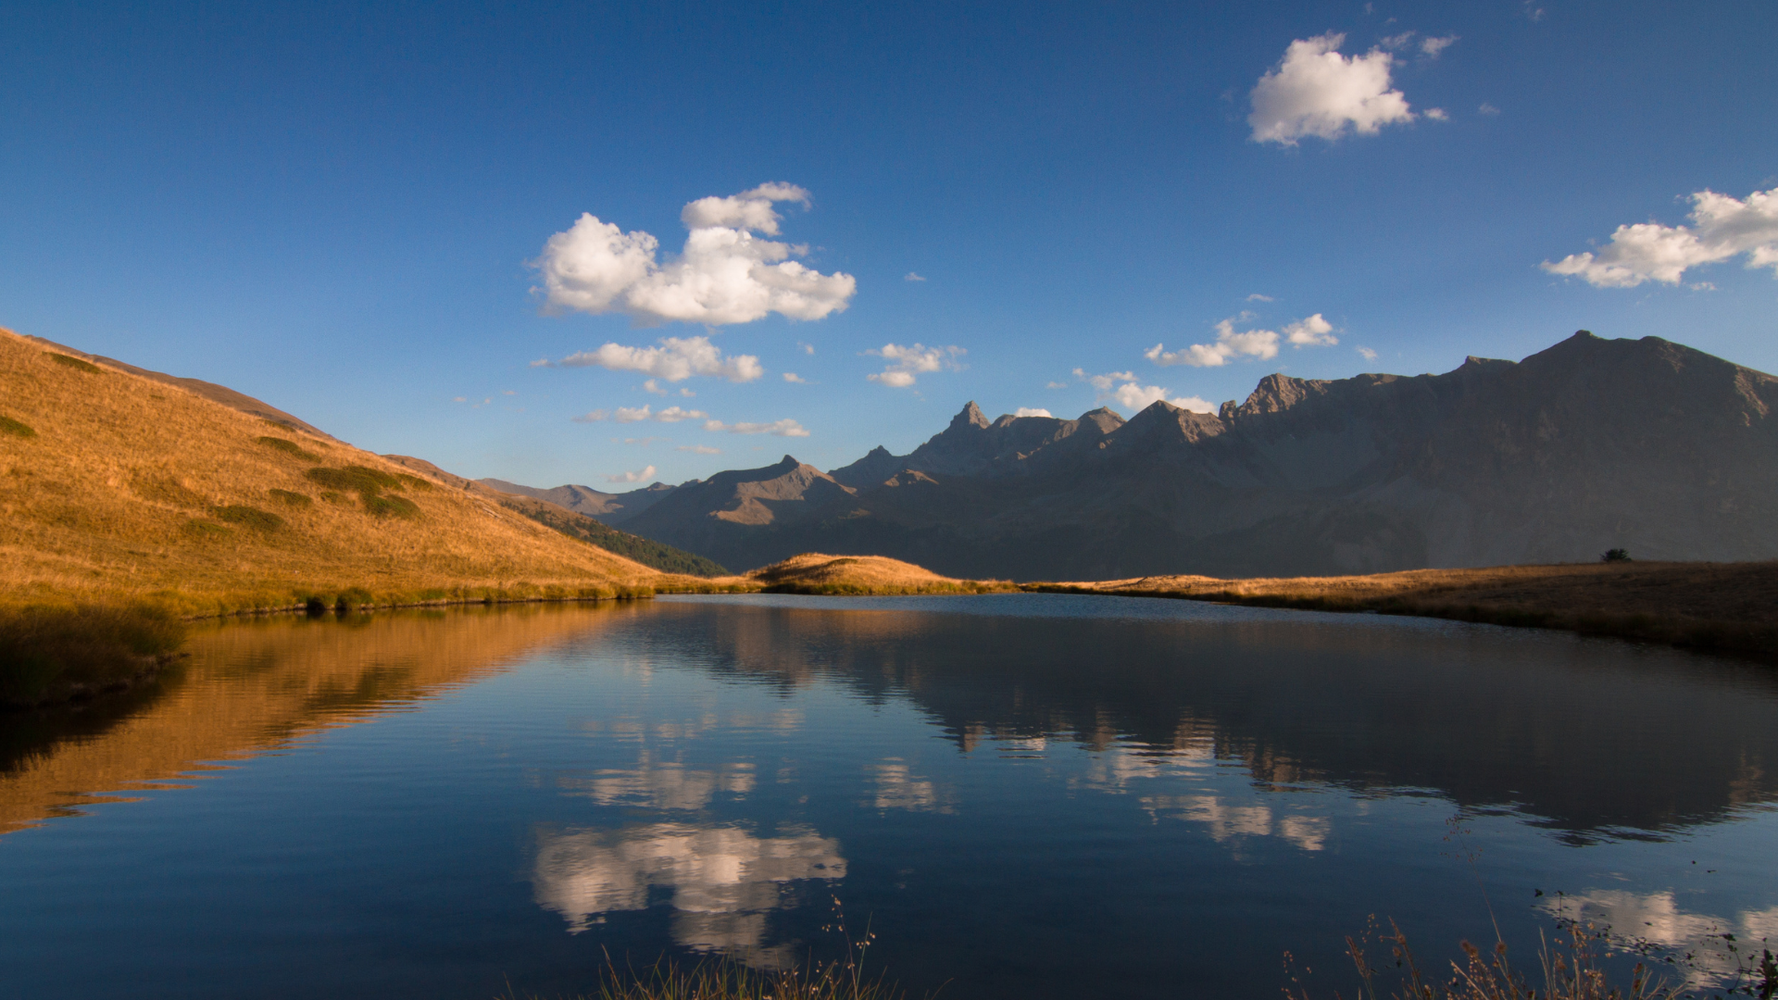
120, 488
1730, 606
815, 573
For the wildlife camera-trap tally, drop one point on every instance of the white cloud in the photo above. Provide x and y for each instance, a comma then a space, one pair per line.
913, 360
655, 387
635, 415
1055, 385
1032, 411
643, 441
1133, 396
1232, 343
677, 359
911, 276
1257, 297
687, 393
1722, 227
1366, 353
807, 348
640, 475
724, 275
1316, 91
699, 449
794, 377
1437, 114
1487, 109
1396, 42
1431, 47
541, 363
1312, 332
459, 399
782, 428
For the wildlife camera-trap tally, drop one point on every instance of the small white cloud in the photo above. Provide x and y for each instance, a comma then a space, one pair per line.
725, 274
1056, 385
677, 359
1533, 12
1231, 343
591, 417
1133, 396
1488, 109
1431, 47
1437, 114
781, 428
541, 363
673, 414
507, 392
699, 449
1366, 353
807, 348
1257, 297
630, 415
794, 377
644, 441
653, 386
635, 415
1722, 227
912, 360
1031, 411
1316, 91
640, 475
911, 276
1396, 42
1312, 332
687, 393
1702, 286
459, 399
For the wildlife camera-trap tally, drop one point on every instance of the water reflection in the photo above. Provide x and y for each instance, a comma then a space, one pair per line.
1656, 918
667, 785
723, 881
249, 686
1580, 735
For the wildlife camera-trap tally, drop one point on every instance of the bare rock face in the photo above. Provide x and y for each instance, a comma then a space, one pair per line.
1592, 444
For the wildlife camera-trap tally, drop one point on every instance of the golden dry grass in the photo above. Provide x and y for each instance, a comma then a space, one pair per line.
131, 489
816, 573
1709, 605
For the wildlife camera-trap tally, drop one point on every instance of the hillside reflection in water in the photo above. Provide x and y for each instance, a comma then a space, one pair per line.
1024, 796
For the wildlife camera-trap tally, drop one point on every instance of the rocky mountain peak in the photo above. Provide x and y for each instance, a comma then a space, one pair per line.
970, 416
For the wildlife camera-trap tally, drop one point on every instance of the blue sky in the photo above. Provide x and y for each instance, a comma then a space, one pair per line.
348, 210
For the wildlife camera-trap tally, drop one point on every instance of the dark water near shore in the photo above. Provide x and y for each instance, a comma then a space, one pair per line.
1023, 795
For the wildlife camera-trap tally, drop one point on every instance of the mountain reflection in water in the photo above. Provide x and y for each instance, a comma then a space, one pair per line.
1590, 737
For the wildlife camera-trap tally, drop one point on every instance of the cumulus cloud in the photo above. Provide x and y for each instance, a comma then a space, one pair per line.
640, 475
677, 359
1722, 227
699, 449
794, 377
1031, 411
906, 362
1257, 297
1437, 114
653, 386
781, 428
1366, 353
1317, 91
725, 274
1431, 47
635, 415
1231, 343
1123, 389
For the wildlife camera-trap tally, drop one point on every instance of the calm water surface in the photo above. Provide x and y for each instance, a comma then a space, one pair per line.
1021, 795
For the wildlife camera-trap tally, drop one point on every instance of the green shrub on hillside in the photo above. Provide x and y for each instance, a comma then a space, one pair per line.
290, 498
251, 517
288, 447
75, 363
11, 426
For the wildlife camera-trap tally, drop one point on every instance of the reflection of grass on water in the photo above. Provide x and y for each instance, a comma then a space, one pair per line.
50, 653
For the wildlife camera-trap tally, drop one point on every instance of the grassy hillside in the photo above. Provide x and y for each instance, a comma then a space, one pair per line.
115, 488
815, 573
1730, 606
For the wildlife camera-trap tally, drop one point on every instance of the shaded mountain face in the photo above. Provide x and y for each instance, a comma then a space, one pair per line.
1592, 444
612, 508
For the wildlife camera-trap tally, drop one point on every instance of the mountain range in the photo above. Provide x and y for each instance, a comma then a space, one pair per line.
1592, 444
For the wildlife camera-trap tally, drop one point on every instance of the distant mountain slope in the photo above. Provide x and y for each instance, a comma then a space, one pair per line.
611, 508
115, 486
1591, 444
571, 523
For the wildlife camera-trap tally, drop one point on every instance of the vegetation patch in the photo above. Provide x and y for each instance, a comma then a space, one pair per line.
168, 490
382, 506
369, 484
16, 428
252, 517
206, 529
75, 363
50, 654
415, 481
288, 447
290, 498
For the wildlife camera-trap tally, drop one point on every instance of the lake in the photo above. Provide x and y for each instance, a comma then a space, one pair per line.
1019, 795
